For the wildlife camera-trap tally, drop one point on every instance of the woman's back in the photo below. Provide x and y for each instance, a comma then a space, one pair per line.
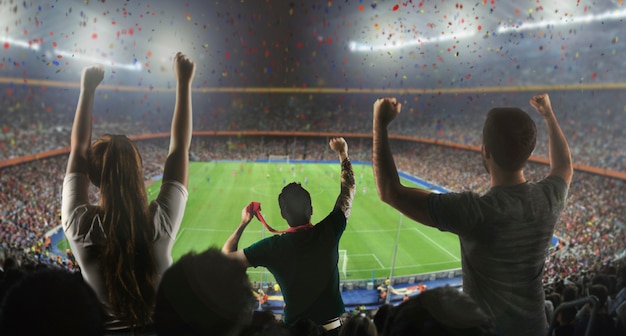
124, 244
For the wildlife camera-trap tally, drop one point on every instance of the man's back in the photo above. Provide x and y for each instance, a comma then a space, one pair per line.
304, 264
504, 237
504, 234
304, 259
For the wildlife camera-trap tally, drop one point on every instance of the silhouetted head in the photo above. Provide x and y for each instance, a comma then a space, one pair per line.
439, 311
381, 316
306, 327
204, 294
295, 204
570, 293
52, 302
358, 326
509, 137
601, 293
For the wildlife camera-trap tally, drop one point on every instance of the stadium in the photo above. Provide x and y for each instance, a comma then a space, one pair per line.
275, 80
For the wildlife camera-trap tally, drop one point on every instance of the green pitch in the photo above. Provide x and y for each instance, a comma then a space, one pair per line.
219, 191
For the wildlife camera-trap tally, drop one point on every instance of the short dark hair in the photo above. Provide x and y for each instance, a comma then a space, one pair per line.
295, 204
205, 293
601, 292
509, 135
570, 293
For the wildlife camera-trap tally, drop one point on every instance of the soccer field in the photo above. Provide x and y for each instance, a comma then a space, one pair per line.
219, 190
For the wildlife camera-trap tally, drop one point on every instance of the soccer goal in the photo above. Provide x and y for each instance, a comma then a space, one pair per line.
278, 159
342, 264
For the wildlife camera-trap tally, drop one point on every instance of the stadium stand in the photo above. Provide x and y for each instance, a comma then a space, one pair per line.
468, 60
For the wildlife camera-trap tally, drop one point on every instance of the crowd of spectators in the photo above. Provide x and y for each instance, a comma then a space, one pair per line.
591, 232
591, 120
29, 205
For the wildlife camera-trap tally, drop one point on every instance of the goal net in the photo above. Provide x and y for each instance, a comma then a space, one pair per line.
278, 159
342, 264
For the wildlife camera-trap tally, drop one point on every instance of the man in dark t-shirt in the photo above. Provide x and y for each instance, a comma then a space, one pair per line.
504, 233
304, 258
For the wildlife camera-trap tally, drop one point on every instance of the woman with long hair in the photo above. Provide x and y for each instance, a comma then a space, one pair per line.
123, 244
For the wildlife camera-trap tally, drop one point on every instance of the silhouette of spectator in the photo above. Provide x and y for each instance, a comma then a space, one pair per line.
504, 233
566, 320
12, 275
358, 326
51, 301
438, 311
204, 294
381, 316
265, 323
304, 259
307, 327
123, 244
603, 323
3, 258
621, 319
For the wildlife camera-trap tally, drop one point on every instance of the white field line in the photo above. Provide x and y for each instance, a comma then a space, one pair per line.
378, 260
398, 267
436, 244
368, 255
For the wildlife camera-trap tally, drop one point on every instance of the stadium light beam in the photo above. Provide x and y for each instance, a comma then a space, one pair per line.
359, 47
135, 66
35, 45
611, 15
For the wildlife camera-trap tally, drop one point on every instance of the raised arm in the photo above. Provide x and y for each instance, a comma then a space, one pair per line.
81, 129
348, 188
230, 247
559, 152
177, 162
412, 202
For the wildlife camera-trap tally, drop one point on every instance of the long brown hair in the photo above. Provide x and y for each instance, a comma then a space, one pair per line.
127, 258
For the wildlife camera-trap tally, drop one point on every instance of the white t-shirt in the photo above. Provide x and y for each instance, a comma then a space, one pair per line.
82, 232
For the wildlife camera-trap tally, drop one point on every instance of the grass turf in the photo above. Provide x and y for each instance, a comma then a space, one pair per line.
219, 190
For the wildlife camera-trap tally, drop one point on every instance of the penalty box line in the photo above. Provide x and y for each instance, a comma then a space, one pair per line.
368, 255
